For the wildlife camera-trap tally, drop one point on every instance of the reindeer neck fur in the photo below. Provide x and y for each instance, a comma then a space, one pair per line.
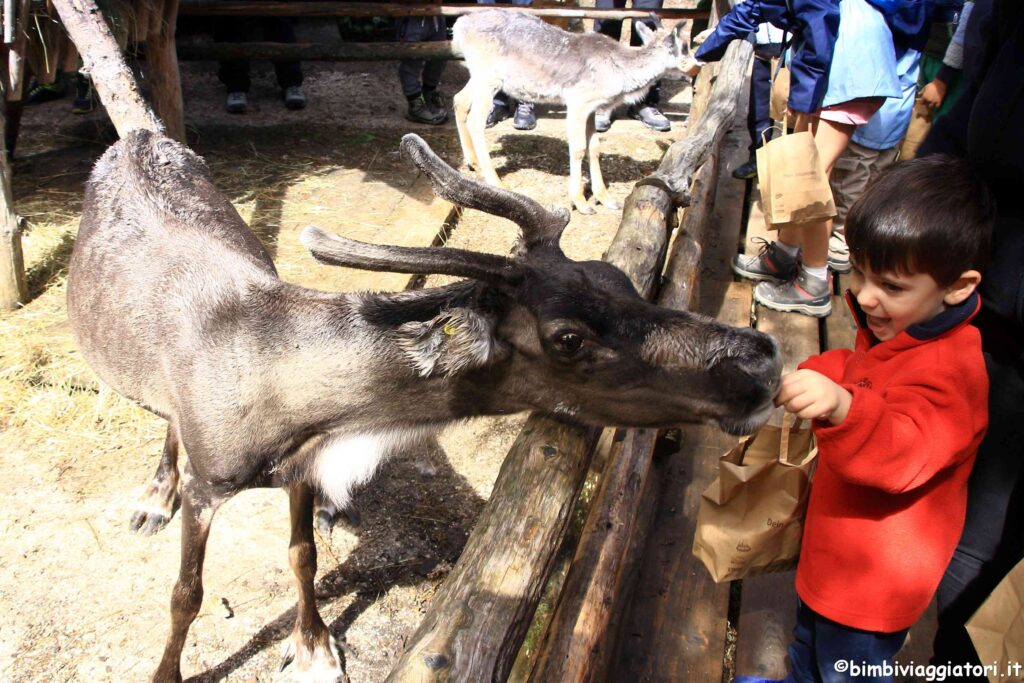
638, 67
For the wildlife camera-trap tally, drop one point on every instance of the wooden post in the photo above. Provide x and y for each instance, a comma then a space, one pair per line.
162, 55
13, 286
13, 290
110, 74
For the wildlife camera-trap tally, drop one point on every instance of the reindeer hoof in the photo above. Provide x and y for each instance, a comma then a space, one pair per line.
584, 208
319, 663
327, 518
609, 203
148, 522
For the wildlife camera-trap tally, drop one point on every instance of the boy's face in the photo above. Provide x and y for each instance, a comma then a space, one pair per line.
894, 301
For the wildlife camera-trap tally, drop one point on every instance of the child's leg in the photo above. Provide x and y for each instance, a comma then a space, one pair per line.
803, 666
831, 139
848, 654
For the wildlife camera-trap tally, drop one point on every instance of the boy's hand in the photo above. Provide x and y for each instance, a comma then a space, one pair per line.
811, 395
933, 94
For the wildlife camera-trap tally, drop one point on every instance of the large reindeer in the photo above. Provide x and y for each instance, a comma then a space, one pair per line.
177, 306
533, 61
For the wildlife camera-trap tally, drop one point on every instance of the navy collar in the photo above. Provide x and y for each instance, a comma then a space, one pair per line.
951, 317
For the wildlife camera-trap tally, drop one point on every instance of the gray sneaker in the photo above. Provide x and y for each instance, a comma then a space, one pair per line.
294, 98
237, 103
602, 121
805, 294
420, 111
838, 254
770, 263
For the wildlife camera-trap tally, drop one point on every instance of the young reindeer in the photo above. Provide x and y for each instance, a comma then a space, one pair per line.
177, 306
533, 61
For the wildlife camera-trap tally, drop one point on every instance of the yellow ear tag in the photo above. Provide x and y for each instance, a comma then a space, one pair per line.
449, 329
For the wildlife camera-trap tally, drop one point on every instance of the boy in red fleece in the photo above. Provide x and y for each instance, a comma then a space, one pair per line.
898, 420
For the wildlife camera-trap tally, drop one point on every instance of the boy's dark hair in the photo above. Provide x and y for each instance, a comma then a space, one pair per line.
930, 215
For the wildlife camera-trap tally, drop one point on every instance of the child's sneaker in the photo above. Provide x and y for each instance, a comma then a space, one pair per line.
805, 294
838, 254
771, 264
237, 103
420, 111
45, 92
85, 95
294, 98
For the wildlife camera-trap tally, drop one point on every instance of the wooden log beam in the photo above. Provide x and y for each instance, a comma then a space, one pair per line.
110, 73
208, 8
13, 289
319, 52
685, 156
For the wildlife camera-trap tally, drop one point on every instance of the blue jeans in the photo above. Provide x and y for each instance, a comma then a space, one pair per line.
759, 112
823, 650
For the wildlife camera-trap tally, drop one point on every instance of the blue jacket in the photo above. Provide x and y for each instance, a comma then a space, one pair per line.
814, 25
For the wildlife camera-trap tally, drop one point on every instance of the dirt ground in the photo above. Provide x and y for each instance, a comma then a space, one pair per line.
85, 599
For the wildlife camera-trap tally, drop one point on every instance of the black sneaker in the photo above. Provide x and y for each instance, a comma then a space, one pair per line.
651, 117
294, 98
746, 171
85, 95
45, 92
420, 111
498, 113
525, 119
602, 121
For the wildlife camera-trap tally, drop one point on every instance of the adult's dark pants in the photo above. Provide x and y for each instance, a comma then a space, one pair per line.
993, 538
417, 74
759, 117
234, 73
613, 28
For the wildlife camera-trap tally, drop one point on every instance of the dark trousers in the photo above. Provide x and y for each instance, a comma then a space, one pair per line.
411, 71
234, 74
820, 644
759, 117
613, 28
993, 538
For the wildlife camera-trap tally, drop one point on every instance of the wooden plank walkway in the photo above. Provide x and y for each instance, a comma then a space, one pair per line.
680, 625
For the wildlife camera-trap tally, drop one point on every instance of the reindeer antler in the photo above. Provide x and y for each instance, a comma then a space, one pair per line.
540, 226
341, 251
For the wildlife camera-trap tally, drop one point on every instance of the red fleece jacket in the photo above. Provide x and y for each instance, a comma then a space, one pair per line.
888, 501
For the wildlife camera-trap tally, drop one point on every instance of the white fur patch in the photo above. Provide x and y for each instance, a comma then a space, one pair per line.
349, 460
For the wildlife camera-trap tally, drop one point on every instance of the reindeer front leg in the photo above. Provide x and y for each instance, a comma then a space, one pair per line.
476, 125
597, 185
576, 129
197, 509
462, 103
311, 646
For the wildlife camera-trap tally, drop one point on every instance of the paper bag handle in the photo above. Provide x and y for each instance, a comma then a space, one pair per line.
784, 435
783, 129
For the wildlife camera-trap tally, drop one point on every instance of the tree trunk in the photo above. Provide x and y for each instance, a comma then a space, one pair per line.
110, 73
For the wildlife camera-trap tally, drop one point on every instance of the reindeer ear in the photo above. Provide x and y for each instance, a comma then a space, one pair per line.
458, 339
644, 31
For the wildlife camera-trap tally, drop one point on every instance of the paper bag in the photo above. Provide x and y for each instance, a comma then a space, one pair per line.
751, 517
920, 124
792, 178
997, 628
779, 101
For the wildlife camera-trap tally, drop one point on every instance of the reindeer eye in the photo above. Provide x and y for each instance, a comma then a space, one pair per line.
568, 342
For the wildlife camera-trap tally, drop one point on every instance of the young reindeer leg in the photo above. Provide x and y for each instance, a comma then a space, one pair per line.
576, 130
480, 107
156, 505
311, 646
463, 102
597, 184
198, 505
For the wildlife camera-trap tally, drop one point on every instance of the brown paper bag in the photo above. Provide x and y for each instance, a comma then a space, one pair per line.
794, 184
997, 628
751, 517
779, 101
920, 124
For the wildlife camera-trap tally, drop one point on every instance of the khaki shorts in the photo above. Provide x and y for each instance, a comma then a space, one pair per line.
852, 174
